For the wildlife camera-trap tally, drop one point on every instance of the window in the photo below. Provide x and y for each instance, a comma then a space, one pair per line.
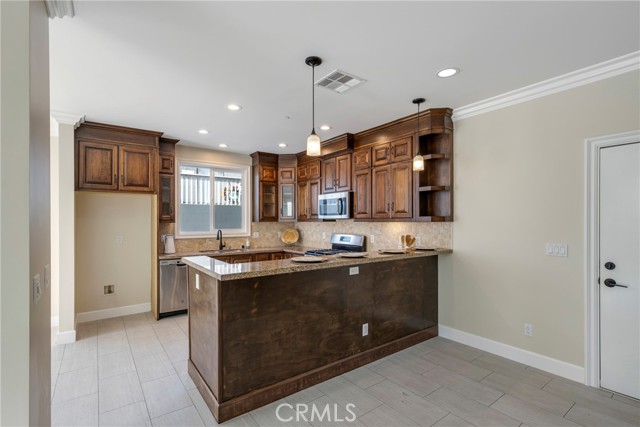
212, 197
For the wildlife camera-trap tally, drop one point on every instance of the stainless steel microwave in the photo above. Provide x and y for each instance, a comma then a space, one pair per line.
334, 205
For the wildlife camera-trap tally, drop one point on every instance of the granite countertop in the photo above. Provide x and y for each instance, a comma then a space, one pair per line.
298, 250
223, 271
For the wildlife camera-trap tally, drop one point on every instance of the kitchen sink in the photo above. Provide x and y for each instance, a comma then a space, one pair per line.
224, 251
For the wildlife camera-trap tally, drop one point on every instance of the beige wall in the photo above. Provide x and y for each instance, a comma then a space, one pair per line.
100, 260
55, 229
519, 182
25, 367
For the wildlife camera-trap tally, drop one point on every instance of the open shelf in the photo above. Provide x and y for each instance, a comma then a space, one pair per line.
435, 156
434, 185
434, 188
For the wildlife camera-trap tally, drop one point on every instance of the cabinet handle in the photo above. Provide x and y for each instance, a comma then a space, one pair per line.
388, 208
122, 178
171, 211
392, 208
393, 151
387, 152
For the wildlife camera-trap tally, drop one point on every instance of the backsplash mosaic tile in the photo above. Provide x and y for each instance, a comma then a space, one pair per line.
386, 235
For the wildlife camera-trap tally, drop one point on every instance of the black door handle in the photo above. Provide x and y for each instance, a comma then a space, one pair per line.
610, 283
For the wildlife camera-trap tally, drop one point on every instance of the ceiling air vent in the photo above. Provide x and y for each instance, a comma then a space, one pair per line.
339, 81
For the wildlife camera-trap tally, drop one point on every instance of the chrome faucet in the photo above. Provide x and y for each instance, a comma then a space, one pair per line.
219, 237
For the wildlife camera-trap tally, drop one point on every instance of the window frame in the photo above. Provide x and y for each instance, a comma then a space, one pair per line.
244, 170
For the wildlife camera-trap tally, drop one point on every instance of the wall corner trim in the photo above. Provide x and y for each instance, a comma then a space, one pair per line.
584, 76
67, 118
545, 363
113, 312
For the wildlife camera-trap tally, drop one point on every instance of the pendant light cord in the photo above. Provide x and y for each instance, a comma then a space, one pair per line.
418, 130
313, 99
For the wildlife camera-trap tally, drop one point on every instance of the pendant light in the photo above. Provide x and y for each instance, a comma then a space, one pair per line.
313, 141
418, 160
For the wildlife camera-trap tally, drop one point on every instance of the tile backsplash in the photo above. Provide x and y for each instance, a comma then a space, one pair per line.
386, 235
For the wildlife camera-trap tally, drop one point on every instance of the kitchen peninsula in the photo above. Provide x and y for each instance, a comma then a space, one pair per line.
263, 330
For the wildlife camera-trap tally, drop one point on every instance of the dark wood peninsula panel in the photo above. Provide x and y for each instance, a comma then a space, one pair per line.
255, 340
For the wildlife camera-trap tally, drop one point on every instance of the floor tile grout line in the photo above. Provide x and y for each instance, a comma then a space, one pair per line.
569, 410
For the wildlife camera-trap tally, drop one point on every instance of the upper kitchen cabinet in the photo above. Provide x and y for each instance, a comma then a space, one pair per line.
265, 187
287, 187
166, 181
336, 174
116, 158
308, 170
434, 185
398, 150
362, 158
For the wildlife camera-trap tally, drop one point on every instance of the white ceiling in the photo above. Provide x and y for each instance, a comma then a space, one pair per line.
173, 66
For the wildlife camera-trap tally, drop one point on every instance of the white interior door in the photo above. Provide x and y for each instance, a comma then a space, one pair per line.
620, 269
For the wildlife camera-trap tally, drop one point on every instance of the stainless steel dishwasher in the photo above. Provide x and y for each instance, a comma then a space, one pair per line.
173, 287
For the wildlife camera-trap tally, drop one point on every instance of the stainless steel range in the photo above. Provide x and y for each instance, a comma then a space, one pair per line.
341, 243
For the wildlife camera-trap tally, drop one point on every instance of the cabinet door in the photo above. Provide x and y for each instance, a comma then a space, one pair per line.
239, 259
314, 169
268, 200
166, 163
380, 203
401, 190
287, 204
268, 173
166, 199
343, 172
362, 193
137, 168
303, 172
287, 174
401, 149
261, 257
381, 154
314, 192
302, 197
277, 256
329, 176
97, 166
362, 158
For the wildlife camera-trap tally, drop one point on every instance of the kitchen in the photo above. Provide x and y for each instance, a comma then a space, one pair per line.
240, 164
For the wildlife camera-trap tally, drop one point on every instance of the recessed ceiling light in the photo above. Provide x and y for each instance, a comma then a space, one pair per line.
448, 72
222, 145
325, 127
234, 107
282, 145
203, 131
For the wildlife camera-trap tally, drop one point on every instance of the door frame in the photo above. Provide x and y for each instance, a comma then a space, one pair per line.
592, 247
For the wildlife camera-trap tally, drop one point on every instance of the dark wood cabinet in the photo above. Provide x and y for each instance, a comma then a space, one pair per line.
105, 166
261, 257
265, 187
166, 198
391, 191
307, 197
362, 194
166, 163
362, 158
287, 175
434, 185
239, 259
399, 150
137, 168
286, 201
336, 174
309, 170
276, 256
97, 166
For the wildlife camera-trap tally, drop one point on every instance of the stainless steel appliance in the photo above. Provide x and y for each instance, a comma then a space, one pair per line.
335, 205
173, 287
341, 243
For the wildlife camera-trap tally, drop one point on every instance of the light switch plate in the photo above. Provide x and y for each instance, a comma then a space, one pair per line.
372, 238
365, 329
256, 234
119, 239
556, 249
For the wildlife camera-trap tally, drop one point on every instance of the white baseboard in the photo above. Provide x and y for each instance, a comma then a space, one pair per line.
554, 366
55, 321
66, 337
113, 312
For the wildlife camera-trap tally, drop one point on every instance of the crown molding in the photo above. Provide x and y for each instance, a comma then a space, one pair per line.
67, 118
60, 8
584, 76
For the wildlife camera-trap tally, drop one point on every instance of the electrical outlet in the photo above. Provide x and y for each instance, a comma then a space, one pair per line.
256, 234
528, 329
418, 241
324, 235
109, 289
47, 276
353, 271
197, 281
37, 289
279, 233
365, 329
119, 239
372, 238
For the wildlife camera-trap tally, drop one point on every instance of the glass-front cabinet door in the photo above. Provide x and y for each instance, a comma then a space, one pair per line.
268, 201
166, 199
287, 202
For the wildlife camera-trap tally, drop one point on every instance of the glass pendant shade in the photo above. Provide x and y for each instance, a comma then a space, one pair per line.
418, 163
313, 144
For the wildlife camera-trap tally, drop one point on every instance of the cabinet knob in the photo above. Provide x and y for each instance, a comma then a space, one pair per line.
392, 207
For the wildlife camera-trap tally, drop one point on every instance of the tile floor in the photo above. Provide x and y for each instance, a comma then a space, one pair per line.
132, 371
